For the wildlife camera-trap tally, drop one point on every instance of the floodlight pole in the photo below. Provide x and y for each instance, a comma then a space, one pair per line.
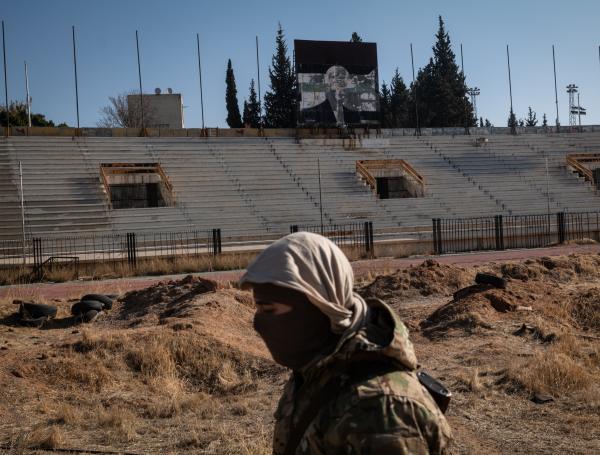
200, 74
462, 66
513, 126
137, 45
5, 82
27, 95
258, 80
555, 90
412, 59
75, 67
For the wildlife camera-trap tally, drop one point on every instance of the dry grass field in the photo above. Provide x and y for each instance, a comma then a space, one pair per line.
177, 368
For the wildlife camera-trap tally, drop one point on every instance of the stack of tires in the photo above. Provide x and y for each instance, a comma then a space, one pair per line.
91, 306
35, 314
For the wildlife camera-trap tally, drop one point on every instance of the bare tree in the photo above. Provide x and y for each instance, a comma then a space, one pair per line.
120, 113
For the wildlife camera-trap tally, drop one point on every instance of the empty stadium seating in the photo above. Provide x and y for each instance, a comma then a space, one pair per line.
250, 187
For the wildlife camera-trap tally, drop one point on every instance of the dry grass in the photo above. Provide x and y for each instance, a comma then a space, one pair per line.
560, 368
121, 421
41, 437
152, 267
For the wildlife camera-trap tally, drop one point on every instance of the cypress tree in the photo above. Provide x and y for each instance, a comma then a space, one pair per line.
531, 119
252, 109
481, 122
281, 100
512, 121
234, 119
545, 121
384, 105
443, 100
356, 38
398, 101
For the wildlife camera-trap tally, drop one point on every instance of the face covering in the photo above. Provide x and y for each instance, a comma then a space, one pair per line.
294, 330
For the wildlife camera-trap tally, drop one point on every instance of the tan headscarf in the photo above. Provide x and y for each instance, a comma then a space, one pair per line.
314, 265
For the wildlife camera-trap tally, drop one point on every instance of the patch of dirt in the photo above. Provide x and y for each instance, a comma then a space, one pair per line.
427, 279
177, 367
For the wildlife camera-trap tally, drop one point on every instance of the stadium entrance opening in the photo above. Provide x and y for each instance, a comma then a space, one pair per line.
391, 178
136, 185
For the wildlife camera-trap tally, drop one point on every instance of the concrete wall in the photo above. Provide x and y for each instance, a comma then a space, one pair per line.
350, 140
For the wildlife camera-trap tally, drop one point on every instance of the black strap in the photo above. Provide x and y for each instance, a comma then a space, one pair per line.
326, 394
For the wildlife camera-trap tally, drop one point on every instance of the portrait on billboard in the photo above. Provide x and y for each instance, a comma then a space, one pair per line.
337, 83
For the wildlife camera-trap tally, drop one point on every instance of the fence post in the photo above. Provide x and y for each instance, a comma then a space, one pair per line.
293, 228
131, 250
560, 221
37, 258
219, 247
368, 238
435, 236
499, 231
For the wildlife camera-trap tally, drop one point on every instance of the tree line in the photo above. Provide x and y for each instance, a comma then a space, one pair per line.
437, 98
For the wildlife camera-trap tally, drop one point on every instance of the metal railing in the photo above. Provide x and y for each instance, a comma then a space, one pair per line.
516, 231
356, 236
112, 250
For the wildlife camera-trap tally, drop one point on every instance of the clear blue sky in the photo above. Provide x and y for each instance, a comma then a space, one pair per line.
39, 31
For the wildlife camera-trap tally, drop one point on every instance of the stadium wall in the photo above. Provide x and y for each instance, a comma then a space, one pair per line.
284, 132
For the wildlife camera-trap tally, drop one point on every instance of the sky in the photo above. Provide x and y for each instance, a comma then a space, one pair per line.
39, 32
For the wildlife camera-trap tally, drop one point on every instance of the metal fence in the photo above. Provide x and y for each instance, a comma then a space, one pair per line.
515, 231
117, 250
355, 236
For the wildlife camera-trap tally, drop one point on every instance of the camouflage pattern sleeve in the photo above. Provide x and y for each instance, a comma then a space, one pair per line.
384, 425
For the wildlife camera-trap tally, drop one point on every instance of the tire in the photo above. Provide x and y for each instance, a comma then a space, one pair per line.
91, 315
492, 280
106, 300
36, 310
82, 307
35, 322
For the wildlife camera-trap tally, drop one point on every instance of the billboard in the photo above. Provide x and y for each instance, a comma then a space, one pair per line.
337, 83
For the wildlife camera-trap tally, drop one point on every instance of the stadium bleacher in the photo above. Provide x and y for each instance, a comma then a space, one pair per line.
252, 187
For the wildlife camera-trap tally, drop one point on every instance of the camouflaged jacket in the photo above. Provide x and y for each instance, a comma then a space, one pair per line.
390, 413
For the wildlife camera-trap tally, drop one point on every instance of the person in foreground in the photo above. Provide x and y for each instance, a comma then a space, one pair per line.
353, 388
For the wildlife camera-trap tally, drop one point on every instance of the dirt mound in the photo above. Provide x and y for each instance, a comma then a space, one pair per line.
427, 279
162, 297
560, 269
479, 306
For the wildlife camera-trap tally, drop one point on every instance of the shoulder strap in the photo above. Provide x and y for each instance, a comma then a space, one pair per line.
328, 392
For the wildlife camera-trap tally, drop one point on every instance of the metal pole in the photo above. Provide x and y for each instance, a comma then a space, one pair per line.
320, 194
579, 111
22, 212
200, 73
28, 97
462, 69
75, 66
412, 59
513, 127
258, 76
555, 90
5, 82
137, 45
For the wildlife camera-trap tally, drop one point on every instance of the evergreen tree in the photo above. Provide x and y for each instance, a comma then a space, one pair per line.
399, 102
442, 92
234, 119
356, 38
252, 109
488, 124
531, 119
281, 100
480, 122
521, 123
384, 105
545, 121
512, 120
17, 115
